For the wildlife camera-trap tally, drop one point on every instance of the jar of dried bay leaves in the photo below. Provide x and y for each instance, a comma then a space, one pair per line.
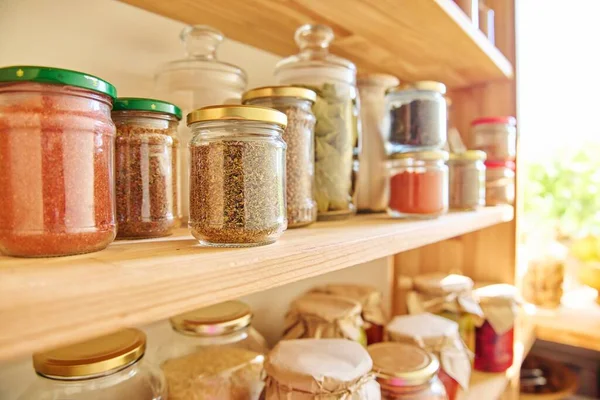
237, 175
296, 103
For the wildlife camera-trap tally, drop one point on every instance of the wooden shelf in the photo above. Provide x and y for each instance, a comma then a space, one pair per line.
414, 40
46, 302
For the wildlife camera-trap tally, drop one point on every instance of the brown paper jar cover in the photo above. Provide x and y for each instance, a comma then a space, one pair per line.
500, 306
324, 369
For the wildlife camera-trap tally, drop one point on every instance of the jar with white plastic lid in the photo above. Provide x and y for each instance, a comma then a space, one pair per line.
214, 353
499, 182
109, 367
467, 180
496, 136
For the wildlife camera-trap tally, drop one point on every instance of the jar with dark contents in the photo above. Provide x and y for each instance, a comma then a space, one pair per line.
499, 182
467, 180
237, 175
417, 116
146, 165
296, 103
56, 158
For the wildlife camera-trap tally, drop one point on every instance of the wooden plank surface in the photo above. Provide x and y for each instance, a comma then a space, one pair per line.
414, 40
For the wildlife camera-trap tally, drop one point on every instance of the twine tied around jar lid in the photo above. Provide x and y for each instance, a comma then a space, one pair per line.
500, 305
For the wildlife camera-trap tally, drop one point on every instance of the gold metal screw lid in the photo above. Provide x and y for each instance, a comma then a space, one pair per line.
402, 364
280, 91
432, 86
430, 155
236, 112
215, 320
93, 357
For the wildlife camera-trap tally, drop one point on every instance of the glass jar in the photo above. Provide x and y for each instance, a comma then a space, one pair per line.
237, 175
467, 180
336, 111
296, 103
146, 167
199, 80
417, 117
109, 367
499, 182
406, 372
214, 353
371, 184
418, 184
56, 158
496, 136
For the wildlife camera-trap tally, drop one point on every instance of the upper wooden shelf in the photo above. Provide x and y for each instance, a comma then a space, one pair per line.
412, 39
47, 302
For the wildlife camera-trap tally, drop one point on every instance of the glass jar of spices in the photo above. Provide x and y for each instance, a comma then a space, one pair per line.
109, 367
237, 176
499, 182
56, 158
146, 164
467, 180
418, 184
336, 110
296, 103
496, 136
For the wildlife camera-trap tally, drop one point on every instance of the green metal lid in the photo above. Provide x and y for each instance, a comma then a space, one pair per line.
150, 105
29, 73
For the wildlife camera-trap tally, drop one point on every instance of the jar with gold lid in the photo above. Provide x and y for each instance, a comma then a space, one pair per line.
214, 353
109, 367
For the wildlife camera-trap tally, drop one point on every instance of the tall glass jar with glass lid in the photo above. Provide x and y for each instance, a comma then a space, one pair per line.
336, 109
214, 353
196, 81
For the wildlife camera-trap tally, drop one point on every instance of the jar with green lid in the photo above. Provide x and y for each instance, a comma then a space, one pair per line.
109, 367
56, 158
467, 180
296, 103
146, 164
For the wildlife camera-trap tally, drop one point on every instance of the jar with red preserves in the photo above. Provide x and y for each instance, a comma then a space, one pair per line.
56, 158
418, 184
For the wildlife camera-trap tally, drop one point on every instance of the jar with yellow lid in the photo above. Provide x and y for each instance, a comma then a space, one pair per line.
214, 353
296, 103
237, 175
406, 372
467, 180
109, 367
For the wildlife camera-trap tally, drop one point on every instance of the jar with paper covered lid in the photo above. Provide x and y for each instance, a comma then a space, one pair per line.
494, 340
406, 372
450, 296
439, 336
370, 300
214, 353
308, 369
321, 316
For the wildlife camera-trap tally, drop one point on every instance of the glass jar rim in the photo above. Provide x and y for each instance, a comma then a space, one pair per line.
237, 113
469, 155
147, 105
508, 120
389, 369
216, 320
430, 86
428, 155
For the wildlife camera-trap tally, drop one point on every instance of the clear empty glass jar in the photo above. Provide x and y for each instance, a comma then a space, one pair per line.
496, 136
237, 175
214, 353
296, 103
109, 367
499, 182
146, 164
467, 180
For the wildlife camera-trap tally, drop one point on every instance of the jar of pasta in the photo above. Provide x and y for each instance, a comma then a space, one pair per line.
214, 353
467, 180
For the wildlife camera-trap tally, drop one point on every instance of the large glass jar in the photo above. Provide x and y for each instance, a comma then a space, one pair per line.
296, 103
336, 110
496, 136
237, 181
467, 180
56, 158
214, 353
417, 116
371, 183
406, 372
499, 182
146, 167
109, 367
418, 184
196, 81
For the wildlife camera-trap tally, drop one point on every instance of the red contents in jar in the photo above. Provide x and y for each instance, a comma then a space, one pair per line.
493, 352
374, 334
449, 383
417, 192
56, 155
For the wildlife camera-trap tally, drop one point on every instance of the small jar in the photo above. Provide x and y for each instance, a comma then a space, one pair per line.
418, 184
496, 136
499, 182
417, 116
214, 353
56, 158
237, 175
467, 180
146, 165
406, 372
109, 367
296, 103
